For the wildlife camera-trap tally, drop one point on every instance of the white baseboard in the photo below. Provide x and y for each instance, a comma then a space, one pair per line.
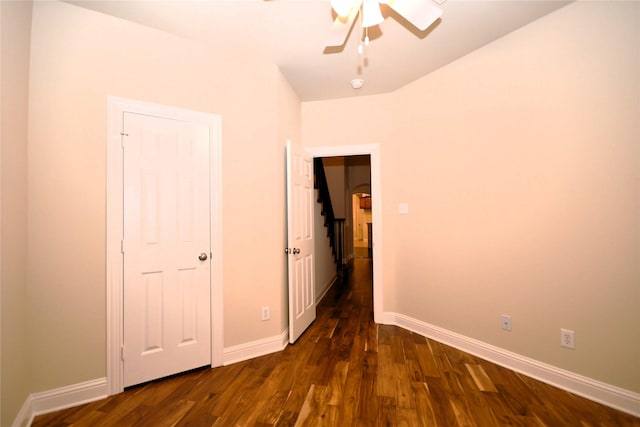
606, 394
60, 398
257, 348
89, 391
25, 416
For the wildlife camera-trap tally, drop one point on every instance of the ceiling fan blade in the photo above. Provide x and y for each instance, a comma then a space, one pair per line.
420, 13
341, 28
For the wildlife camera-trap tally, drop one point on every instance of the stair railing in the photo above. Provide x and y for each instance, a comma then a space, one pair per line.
335, 226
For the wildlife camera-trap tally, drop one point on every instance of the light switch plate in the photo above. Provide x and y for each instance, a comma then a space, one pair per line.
403, 208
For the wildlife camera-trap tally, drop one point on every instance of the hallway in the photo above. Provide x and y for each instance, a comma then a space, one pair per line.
347, 371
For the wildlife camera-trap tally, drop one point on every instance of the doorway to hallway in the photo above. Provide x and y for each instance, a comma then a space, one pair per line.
373, 153
362, 225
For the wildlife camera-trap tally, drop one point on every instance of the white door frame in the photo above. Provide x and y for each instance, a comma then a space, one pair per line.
115, 211
373, 150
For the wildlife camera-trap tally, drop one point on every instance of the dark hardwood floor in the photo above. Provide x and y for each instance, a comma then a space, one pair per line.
347, 371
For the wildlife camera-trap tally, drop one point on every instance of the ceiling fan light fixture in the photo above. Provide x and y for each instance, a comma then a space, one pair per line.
342, 7
371, 14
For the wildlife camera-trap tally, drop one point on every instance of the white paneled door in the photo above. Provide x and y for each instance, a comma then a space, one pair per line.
300, 240
166, 246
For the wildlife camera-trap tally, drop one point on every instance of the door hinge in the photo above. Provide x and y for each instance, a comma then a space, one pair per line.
122, 134
122, 246
122, 352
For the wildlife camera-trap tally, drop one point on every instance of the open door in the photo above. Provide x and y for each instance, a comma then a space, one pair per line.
300, 244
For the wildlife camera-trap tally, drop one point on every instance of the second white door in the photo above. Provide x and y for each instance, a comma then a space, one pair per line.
300, 241
166, 246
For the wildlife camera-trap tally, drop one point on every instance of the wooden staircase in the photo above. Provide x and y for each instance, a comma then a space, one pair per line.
335, 226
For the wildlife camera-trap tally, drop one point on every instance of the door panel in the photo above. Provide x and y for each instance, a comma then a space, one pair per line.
300, 240
167, 314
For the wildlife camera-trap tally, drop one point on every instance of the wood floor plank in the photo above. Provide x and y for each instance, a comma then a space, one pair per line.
481, 378
440, 396
91, 419
237, 388
404, 394
427, 361
415, 371
372, 337
199, 416
397, 349
72, 415
386, 412
369, 398
480, 410
350, 404
267, 391
406, 417
337, 383
347, 371
462, 412
170, 414
297, 394
308, 407
385, 378
503, 412
424, 406
287, 378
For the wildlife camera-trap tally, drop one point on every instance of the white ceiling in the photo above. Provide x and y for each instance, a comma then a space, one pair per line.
291, 33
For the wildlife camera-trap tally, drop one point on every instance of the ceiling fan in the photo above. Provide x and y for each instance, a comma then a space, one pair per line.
420, 13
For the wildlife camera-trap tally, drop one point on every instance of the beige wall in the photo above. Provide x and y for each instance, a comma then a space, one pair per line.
289, 122
359, 169
15, 28
335, 171
78, 58
521, 167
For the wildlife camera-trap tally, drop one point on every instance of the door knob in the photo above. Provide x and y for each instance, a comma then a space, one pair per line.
202, 256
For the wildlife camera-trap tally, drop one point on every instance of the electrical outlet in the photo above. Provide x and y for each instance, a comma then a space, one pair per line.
265, 312
505, 321
567, 338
